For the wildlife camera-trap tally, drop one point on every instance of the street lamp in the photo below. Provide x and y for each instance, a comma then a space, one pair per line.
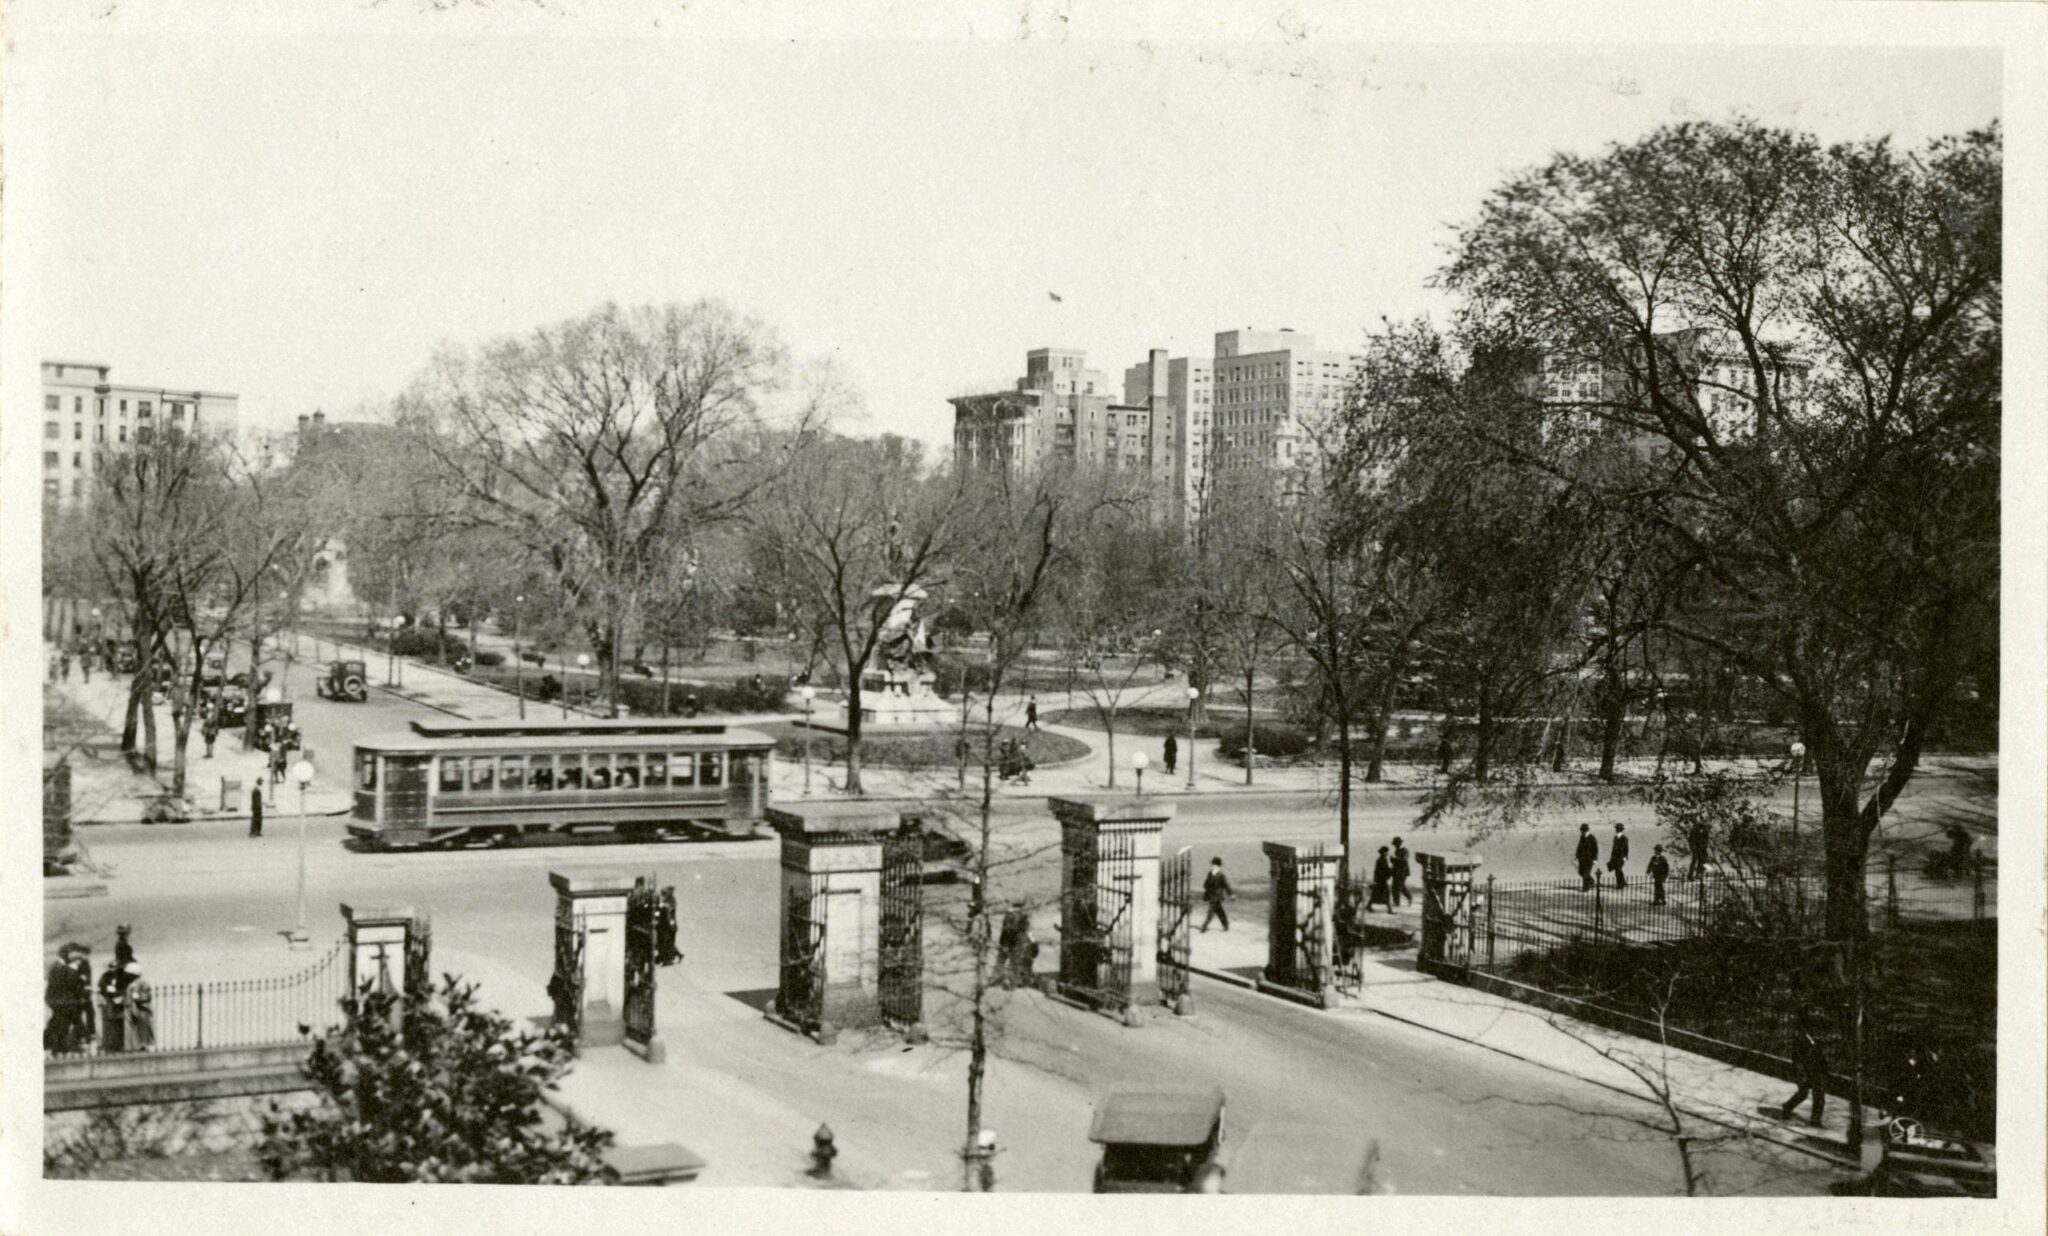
1798, 767
583, 667
1138, 762
1194, 697
302, 776
518, 662
810, 694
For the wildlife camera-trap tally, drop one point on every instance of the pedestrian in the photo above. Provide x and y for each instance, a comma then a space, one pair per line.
113, 989
60, 996
55, 661
276, 758
690, 705
1810, 1059
1617, 857
1444, 751
124, 949
256, 813
1382, 882
1696, 840
1215, 891
85, 1025
64, 664
1587, 854
85, 664
665, 950
210, 730
1660, 871
1031, 713
1010, 947
1172, 751
1399, 888
141, 1009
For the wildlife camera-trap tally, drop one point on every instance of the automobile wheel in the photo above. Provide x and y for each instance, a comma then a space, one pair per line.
354, 686
1901, 1130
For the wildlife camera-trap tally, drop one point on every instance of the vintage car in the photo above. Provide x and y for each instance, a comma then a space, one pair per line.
344, 680
946, 857
1157, 1139
1297, 1157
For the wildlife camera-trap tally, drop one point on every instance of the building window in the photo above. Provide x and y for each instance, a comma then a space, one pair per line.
52, 402
50, 488
78, 404
52, 429
99, 433
77, 487
177, 411
49, 459
78, 431
78, 459
124, 407
142, 408
123, 432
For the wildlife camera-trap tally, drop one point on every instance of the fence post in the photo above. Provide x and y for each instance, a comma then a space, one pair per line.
199, 1028
1489, 920
1977, 886
1891, 890
1599, 916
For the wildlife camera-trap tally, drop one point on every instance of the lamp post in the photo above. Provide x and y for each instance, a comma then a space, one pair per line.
1138, 762
810, 694
302, 775
1194, 698
1798, 767
518, 662
583, 667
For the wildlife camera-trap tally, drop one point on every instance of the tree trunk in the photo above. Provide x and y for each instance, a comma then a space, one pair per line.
664, 676
1250, 729
1344, 784
1845, 845
1109, 728
1383, 714
1613, 712
853, 731
133, 717
148, 675
1482, 737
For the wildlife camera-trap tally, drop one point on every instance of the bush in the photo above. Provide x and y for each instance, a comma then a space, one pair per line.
1270, 738
490, 658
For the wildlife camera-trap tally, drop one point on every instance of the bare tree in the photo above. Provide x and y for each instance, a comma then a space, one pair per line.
1112, 612
858, 532
591, 440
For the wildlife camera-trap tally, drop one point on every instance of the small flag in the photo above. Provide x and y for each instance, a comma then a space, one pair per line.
1055, 298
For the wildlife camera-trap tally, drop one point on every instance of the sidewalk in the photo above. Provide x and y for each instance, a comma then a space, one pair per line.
105, 791
1392, 987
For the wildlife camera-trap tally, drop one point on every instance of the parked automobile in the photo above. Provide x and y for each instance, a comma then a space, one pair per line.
1157, 1139
947, 858
344, 680
1297, 1156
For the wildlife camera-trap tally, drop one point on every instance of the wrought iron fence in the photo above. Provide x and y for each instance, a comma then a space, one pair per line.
213, 1013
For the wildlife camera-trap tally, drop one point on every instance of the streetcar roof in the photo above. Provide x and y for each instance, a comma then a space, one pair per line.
721, 739
462, 727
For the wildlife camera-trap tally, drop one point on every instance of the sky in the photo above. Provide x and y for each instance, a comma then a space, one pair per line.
303, 220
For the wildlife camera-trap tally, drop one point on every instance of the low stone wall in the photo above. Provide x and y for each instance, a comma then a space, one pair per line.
77, 1142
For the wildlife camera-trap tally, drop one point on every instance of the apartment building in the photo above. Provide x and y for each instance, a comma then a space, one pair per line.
87, 418
1062, 410
1185, 384
1706, 369
1273, 391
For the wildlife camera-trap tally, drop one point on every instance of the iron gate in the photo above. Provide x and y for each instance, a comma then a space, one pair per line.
800, 999
1446, 912
900, 983
1095, 929
1176, 906
643, 915
566, 987
1297, 912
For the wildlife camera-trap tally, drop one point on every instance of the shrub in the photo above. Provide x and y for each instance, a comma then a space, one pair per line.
1269, 738
490, 658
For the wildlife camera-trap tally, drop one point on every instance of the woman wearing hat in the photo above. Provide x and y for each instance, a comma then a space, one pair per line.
141, 1009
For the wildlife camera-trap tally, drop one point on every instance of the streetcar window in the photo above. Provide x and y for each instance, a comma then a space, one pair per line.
683, 767
482, 772
657, 769
628, 770
451, 774
512, 772
366, 771
571, 777
600, 771
714, 767
542, 772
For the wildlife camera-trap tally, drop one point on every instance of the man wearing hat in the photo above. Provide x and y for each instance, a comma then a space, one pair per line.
141, 1008
63, 993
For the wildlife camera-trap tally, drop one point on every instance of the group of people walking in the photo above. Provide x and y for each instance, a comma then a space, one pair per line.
117, 1014
1587, 855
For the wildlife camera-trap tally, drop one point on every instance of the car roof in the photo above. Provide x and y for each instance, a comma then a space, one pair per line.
1136, 1115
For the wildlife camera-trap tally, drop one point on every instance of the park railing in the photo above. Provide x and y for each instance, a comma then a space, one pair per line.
212, 1013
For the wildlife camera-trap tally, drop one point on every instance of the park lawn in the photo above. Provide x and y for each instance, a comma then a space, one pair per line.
929, 751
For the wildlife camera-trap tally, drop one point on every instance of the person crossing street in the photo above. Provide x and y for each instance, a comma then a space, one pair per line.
1172, 751
1215, 891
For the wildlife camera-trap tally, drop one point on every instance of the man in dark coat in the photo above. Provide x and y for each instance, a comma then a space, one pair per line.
210, 730
1697, 839
1810, 1058
1617, 857
1215, 891
1587, 854
1172, 752
1382, 882
256, 813
1399, 888
84, 1025
1660, 871
63, 994
113, 990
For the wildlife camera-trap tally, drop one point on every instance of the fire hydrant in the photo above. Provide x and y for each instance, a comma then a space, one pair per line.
822, 1152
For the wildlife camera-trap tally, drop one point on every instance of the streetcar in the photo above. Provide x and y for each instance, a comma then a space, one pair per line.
484, 783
